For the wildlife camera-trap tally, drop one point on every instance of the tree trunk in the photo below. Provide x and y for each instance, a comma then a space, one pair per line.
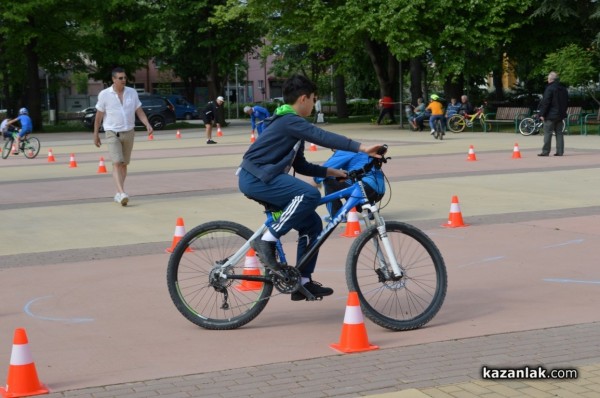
453, 89
340, 97
32, 87
416, 82
498, 72
384, 65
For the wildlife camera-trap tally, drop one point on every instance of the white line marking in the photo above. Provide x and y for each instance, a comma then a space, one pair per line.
571, 281
570, 242
28, 311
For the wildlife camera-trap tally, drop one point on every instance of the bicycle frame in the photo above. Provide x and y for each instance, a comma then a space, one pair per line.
355, 195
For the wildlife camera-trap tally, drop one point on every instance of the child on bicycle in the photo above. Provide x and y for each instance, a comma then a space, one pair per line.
374, 181
263, 175
6, 129
437, 111
26, 127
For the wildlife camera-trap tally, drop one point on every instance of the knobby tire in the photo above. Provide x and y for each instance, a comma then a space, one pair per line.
398, 305
188, 277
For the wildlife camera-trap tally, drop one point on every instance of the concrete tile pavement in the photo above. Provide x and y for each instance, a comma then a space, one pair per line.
444, 359
437, 370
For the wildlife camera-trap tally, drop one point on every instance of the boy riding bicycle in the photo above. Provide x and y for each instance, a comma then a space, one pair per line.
263, 175
437, 112
26, 127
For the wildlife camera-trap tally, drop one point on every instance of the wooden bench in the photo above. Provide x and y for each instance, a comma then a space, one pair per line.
506, 115
574, 117
591, 119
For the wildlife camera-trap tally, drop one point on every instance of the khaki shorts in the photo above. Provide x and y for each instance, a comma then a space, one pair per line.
119, 148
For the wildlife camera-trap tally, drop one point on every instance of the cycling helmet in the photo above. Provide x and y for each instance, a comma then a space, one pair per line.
247, 109
23, 111
435, 97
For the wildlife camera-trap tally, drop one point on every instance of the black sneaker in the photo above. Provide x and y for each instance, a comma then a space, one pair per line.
266, 252
210, 142
315, 288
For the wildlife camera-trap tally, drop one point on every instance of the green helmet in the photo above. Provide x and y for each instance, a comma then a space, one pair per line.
435, 97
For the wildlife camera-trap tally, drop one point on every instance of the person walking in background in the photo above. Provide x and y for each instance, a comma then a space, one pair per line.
116, 110
210, 116
258, 114
553, 110
387, 108
319, 116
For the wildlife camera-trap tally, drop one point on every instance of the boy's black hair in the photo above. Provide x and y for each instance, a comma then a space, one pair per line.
296, 86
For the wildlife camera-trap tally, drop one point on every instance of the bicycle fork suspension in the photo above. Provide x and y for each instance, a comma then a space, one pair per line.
387, 246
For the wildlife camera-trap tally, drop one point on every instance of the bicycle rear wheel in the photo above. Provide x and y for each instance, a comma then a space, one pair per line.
404, 303
527, 126
200, 293
457, 123
6, 149
31, 147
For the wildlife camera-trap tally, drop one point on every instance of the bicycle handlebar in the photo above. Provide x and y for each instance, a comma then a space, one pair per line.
357, 174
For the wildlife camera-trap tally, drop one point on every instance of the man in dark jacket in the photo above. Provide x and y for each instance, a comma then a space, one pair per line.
553, 109
263, 175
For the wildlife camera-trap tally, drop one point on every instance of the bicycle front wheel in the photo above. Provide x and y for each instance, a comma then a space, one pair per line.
31, 147
196, 283
457, 123
7, 148
527, 126
404, 303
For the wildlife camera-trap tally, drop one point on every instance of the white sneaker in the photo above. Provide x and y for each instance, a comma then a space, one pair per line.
117, 197
124, 199
432, 132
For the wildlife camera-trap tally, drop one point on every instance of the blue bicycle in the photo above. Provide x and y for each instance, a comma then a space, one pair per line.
396, 269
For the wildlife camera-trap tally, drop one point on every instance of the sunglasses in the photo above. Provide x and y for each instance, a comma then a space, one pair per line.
121, 77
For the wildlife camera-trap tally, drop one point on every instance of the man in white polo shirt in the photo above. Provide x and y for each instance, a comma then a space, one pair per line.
117, 106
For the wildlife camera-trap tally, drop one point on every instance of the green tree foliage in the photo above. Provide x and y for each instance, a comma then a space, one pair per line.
36, 35
200, 46
576, 67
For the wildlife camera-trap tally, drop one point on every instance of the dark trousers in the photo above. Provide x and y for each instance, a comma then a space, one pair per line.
298, 199
555, 126
388, 111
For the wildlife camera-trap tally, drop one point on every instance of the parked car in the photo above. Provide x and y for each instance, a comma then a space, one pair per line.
183, 109
159, 111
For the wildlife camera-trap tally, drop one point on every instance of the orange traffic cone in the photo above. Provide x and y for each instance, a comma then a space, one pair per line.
516, 153
179, 233
252, 137
354, 333
313, 147
101, 166
219, 132
455, 219
51, 156
22, 379
250, 268
72, 162
178, 134
352, 225
471, 156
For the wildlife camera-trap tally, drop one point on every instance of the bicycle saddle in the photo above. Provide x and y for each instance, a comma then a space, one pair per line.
268, 206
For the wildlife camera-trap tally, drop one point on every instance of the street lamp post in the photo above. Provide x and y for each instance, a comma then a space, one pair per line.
237, 97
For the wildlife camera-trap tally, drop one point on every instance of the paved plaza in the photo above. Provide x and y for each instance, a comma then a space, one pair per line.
86, 277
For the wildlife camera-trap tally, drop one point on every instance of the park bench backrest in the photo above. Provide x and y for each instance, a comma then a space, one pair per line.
506, 113
574, 114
